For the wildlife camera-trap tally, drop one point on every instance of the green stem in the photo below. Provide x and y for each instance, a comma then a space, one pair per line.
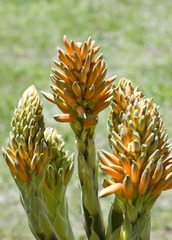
88, 175
139, 229
47, 212
115, 221
57, 211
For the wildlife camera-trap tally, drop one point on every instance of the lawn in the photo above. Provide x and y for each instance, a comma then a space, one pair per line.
135, 38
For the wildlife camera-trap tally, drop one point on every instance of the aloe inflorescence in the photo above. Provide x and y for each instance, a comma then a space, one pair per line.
41, 169
80, 89
140, 165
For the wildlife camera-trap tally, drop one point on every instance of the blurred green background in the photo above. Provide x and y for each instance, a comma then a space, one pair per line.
136, 39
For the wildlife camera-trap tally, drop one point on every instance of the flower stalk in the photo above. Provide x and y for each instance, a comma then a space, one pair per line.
81, 92
87, 171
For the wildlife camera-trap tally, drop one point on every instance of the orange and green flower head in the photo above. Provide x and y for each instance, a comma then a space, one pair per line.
26, 152
140, 162
80, 89
61, 165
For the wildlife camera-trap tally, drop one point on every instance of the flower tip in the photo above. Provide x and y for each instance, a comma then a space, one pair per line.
30, 91
31, 88
3, 150
81, 112
114, 188
48, 96
101, 194
64, 37
65, 118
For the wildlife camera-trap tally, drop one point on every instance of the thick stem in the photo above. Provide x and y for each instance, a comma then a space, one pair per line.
47, 213
87, 171
57, 212
138, 230
115, 221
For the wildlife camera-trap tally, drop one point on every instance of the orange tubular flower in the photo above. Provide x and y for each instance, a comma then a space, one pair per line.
79, 82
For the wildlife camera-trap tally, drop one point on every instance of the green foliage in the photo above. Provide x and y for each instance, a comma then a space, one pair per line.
135, 38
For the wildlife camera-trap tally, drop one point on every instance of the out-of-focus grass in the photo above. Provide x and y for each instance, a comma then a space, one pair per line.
135, 37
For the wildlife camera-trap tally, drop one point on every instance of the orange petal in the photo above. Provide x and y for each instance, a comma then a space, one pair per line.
128, 187
90, 92
84, 50
92, 78
113, 173
100, 107
67, 45
157, 174
92, 121
135, 173
64, 107
144, 182
103, 158
68, 97
101, 77
81, 112
48, 96
111, 79
62, 56
168, 187
115, 188
69, 74
60, 75
78, 61
21, 172
9, 161
83, 76
76, 89
65, 118
87, 62
112, 158
126, 163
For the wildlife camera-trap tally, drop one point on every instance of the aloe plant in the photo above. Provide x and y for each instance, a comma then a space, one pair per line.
137, 170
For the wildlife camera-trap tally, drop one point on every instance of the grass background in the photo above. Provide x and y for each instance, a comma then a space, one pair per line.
135, 38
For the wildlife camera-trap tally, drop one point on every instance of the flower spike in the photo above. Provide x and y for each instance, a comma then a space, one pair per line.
140, 147
27, 149
84, 85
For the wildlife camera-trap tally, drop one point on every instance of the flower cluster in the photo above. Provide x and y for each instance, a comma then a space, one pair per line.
27, 153
80, 89
60, 168
41, 169
140, 163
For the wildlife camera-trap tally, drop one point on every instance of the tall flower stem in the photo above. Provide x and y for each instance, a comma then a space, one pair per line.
81, 93
87, 171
